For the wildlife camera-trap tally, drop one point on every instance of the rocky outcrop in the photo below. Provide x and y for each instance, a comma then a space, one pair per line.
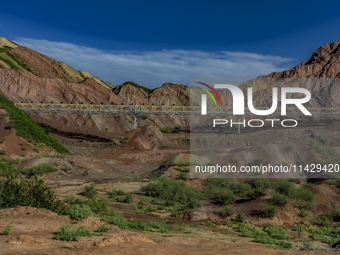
319, 74
324, 63
20, 85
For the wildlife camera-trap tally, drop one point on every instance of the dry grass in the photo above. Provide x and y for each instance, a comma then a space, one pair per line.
6, 42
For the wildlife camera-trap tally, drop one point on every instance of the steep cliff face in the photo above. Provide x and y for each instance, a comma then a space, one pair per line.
324, 63
20, 85
319, 74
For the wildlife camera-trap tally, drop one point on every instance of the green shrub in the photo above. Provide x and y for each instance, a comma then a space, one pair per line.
128, 198
27, 128
115, 192
220, 190
72, 199
89, 191
149, 209
249, 230
173, 193
182, 176
174, 213
303, 213
304, 198
117, 219
259, 187
336, 215
226, 191
307, 246
283, 186
264, 239
40, 169
120, 221
79, 211
98, 205
276, 232
102, 229
270, 235
288, 148
256, 193
335, 182
268, 210
241, 189
121, 140
323, 220
170, 129
67, 233
28, 192
226, 212
284, 245
11, 162
2, 152
279, 200
239, 217
149, 226
7, 230
6, 169
327, 219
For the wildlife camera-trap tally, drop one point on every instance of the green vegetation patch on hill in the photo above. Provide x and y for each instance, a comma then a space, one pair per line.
10, 60
27, 128
137, 85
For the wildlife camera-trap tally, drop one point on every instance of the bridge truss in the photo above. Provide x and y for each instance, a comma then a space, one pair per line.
138, 110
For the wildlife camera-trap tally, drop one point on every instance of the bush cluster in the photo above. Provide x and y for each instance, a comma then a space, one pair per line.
173, 193
270, 235
79, 211
120, 196
120, 221
169, 129
67, 233
28, 192
89, 191
97, 205
7, 230
226, 212
285, 191
40, 169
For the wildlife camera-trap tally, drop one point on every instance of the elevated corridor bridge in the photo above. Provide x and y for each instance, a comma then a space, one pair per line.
137, 110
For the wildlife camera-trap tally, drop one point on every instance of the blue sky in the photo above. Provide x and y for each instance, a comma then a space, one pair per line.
152, 42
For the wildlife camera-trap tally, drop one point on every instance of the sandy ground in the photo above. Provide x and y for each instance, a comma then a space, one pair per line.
127, 167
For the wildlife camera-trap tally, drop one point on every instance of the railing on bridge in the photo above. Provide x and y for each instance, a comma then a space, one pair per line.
138, 110
109, 109
156, 109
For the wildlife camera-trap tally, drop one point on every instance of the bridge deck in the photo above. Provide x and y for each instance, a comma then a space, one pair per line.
156, 109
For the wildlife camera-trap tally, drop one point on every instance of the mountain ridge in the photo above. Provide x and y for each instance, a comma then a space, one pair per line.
19, 84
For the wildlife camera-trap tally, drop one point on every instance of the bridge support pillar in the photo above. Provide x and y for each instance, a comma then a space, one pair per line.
239, 127
135, 123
